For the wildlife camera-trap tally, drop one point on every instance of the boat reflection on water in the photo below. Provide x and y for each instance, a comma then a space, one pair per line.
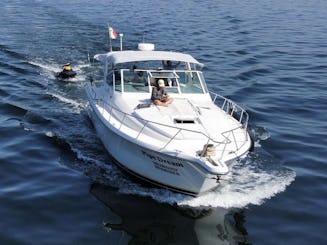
144, 221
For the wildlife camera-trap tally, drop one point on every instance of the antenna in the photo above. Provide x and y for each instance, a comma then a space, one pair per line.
143, 37
88, 58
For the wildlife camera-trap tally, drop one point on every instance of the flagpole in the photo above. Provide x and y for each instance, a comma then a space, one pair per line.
121, 41
110, 45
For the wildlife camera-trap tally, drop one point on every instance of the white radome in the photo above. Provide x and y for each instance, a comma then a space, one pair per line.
145, 46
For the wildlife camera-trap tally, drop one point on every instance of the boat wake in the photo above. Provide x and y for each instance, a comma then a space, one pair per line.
78, 106
251, 181
50, 69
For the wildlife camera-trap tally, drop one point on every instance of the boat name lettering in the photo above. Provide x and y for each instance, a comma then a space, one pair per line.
165, 168
162, 160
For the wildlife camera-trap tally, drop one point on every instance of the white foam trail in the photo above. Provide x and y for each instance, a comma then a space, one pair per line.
77, 105
50, 69
247, 185
47, 66
251, 181
250, 188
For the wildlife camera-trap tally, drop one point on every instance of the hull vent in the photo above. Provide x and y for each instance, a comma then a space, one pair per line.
187, 121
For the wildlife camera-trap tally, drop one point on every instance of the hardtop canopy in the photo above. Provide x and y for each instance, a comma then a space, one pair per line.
118, 57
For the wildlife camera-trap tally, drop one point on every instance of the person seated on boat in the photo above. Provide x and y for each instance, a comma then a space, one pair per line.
159, 94
139, 77
168, 65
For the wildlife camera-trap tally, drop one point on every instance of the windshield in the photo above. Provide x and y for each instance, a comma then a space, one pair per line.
176, 81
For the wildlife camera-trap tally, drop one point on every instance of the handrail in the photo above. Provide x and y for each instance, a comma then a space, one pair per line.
243, 120
157, 123
231, 108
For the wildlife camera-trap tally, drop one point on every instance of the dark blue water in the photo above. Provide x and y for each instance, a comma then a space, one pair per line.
59, 186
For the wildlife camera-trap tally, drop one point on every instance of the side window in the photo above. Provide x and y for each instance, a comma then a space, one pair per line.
203, 83
110, 79
190, 82
135, 81
117, 79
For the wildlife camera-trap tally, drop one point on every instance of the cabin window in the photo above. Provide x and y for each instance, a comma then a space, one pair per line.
190, 82
117, 79
203, 83
170, 78
110, 79
135, 81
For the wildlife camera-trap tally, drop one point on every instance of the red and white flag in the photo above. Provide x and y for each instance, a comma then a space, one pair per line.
112, 33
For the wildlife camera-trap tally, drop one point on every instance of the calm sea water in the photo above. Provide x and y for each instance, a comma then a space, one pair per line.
59, 186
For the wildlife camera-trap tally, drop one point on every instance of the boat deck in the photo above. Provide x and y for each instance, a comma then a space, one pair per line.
183, 127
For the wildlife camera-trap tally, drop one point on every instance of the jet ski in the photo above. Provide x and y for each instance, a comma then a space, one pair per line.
66, 73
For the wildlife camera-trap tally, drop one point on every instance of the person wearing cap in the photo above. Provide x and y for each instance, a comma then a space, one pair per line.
138, 76
67, 67
159, 94
66, 73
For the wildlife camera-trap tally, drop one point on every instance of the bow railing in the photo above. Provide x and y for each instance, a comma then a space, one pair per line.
231, 108
120, 119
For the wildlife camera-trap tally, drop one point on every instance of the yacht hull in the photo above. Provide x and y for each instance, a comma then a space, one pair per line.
163, 170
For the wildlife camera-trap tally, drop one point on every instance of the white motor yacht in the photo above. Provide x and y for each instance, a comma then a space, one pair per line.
185, 146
